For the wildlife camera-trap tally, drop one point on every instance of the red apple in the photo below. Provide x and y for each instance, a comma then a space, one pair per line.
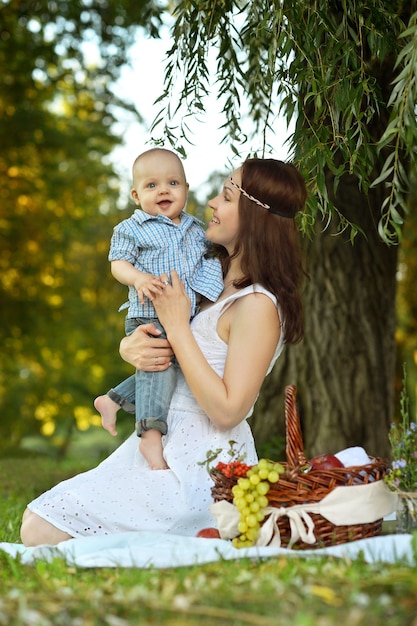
209, 533
325, 462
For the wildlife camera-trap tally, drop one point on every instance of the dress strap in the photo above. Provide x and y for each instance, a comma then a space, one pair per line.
256, 288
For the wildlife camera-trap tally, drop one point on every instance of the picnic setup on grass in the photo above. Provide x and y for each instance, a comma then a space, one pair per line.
335, 505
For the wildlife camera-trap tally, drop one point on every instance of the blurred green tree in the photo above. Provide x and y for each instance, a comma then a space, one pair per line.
59, 327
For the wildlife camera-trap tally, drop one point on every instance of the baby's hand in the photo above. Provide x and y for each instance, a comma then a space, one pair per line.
148, 286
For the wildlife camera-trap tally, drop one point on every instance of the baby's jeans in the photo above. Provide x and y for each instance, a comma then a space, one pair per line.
147, 394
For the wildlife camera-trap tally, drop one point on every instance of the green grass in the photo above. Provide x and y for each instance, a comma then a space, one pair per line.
274, 592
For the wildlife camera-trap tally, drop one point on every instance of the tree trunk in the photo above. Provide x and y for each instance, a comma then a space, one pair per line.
345, 367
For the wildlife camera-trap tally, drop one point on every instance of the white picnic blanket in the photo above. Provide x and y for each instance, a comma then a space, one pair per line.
160, 550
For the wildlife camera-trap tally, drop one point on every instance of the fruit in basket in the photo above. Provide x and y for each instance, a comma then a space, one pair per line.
250, 499
209, 533
324, 462
234, 469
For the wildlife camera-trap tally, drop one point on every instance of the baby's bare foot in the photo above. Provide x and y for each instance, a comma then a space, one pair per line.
150, 446
108, 411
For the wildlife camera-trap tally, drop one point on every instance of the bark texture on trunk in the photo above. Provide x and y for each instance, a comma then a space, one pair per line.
345, 366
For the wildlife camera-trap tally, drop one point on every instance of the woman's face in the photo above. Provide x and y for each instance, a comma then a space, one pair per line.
224, 225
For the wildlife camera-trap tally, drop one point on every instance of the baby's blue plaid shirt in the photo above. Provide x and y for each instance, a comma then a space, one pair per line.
156, 245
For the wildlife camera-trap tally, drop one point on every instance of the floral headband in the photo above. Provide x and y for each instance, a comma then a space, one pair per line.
258, 202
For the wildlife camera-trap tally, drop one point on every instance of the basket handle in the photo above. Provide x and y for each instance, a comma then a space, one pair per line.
294, 438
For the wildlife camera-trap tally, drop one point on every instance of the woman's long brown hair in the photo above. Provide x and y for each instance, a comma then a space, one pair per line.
268, 244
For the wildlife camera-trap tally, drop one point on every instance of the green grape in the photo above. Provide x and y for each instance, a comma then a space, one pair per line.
242, 527
263, 463
251, 520
273, 476
239, 503
237, 491
262, 501
263, 488
242, 543
263, 473
252, 534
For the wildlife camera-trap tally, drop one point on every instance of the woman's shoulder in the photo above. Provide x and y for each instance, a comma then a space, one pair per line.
257, 302
266, 311
248, 300
241, 294
255, 289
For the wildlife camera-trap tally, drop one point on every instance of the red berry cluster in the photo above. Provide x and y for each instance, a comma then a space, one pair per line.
233, 469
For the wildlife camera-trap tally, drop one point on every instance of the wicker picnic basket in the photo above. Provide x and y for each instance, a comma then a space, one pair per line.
296, 486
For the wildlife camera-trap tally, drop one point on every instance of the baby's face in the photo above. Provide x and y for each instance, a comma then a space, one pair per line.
160, 187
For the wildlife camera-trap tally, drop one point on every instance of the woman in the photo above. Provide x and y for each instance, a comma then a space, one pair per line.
224, 357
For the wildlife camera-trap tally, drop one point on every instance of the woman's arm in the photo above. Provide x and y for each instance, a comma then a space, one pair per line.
253, 332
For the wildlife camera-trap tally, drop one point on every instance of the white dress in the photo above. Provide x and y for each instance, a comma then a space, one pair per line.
124, 494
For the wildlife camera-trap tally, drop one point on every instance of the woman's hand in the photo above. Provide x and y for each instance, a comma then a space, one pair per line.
149, 354
172, 305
